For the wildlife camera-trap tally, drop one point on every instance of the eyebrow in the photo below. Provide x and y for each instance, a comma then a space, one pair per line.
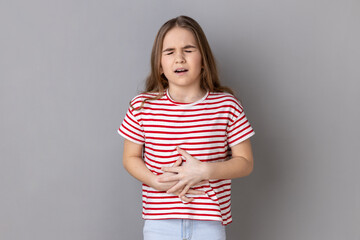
172, 49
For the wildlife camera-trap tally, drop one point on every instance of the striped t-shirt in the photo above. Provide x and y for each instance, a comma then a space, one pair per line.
206, 129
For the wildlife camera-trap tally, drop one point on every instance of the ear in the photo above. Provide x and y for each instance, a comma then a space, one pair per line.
161, 70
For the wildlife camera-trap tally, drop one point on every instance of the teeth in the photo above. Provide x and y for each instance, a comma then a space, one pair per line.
180, 70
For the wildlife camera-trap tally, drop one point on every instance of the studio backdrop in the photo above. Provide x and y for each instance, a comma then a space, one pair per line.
68, 70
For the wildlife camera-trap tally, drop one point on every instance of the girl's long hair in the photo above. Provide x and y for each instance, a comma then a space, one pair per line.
157, 82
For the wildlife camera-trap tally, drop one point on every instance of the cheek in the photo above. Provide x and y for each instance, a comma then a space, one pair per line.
164, 64
198, 58
198, 61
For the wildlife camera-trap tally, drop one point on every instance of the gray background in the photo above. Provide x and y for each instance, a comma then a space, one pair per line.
69, 69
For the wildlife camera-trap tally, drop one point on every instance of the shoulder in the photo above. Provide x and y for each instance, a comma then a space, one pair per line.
138, 100
225, 98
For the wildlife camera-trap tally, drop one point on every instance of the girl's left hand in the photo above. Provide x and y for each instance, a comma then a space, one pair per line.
188, 175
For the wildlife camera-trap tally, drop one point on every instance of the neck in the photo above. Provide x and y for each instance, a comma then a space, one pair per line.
186, 95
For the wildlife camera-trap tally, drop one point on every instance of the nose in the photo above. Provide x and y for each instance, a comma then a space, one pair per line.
179, 58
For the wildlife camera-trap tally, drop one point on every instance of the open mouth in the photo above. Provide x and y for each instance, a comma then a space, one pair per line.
181, 70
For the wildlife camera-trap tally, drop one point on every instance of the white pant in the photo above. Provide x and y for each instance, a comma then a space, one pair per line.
183, 229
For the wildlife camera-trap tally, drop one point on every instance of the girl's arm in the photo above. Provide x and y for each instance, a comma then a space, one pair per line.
240, 165
135, 165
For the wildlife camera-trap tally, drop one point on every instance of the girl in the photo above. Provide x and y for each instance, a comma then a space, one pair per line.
186, 136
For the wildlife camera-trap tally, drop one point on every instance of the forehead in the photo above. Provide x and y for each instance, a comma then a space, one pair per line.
178, 37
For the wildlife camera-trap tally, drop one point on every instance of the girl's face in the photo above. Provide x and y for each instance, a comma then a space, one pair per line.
181, 59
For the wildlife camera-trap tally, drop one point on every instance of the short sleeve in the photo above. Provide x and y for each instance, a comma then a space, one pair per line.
131, 129
239, 128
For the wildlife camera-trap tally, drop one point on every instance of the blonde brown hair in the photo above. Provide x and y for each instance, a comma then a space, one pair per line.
157, 82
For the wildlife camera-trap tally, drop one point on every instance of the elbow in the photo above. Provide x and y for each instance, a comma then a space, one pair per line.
244, 168
125, 163
250, 170
249, 167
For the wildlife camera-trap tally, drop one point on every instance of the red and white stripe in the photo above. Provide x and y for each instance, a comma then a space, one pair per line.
205, 129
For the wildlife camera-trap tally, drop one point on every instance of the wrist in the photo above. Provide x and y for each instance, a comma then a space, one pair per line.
205, 169
153, 182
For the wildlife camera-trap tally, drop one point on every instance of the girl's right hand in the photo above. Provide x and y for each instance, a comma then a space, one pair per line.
164, 186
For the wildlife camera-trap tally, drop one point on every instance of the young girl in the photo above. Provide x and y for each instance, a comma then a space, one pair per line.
186, 136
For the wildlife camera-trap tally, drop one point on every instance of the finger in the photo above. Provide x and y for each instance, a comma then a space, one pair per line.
169, 179
185, 190
171, 169
195, 192
201, 183
186, 199
183, 153
178, 162
177, 193
178, 187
